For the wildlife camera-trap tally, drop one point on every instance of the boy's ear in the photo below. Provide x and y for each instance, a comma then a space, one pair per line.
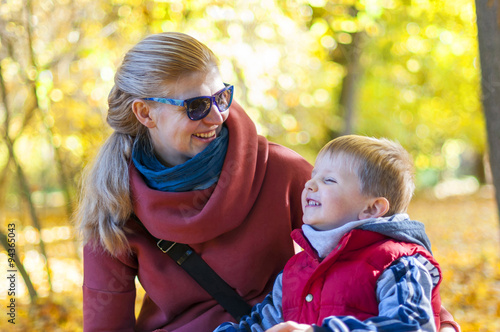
375, 208
143, 113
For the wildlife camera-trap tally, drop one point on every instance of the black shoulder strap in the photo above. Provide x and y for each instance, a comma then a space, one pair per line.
205, 276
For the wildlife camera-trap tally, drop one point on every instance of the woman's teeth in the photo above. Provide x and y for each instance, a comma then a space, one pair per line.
205, 135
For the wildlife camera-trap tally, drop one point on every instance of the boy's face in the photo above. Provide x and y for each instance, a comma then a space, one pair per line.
332, 197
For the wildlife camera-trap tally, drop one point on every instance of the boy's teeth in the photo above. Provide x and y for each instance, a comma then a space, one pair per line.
313, 203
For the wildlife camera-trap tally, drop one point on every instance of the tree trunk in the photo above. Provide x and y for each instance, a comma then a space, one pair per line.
348, 94
26, 194
488, 24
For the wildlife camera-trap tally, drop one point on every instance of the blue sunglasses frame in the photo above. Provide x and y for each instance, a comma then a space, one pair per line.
187, 103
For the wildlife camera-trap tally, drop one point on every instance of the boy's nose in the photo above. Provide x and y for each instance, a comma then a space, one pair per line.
311, 185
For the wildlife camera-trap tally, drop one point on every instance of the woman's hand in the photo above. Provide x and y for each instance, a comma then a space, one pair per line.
447, 328
291, 327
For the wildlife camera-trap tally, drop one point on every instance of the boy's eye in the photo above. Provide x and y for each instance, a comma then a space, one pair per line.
330, 180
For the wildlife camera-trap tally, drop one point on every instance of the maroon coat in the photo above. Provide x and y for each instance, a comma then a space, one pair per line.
240, 227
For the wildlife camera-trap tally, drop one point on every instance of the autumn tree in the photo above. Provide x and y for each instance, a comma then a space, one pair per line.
488, 24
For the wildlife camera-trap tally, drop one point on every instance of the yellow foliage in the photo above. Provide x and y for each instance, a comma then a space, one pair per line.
464, 233
289, 60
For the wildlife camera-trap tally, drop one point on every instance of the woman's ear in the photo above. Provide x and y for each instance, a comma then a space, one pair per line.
375, 208
142, 112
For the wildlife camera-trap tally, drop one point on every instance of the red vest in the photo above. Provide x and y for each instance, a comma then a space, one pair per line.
344, 283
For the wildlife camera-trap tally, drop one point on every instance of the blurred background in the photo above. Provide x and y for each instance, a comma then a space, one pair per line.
306, 71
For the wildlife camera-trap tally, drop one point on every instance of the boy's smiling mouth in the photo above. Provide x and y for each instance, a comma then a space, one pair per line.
312, 202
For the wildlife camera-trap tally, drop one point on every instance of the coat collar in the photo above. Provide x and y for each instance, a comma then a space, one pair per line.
199, 215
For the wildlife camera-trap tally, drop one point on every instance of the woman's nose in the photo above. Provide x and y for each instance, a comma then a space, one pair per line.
214, 116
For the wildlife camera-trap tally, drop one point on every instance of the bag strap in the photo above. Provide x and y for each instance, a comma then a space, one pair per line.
204, 275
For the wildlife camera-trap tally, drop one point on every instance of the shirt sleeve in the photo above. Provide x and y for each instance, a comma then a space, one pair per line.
108, 292
263, 315
404, 292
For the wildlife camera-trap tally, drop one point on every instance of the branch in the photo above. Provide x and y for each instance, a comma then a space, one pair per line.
20, 266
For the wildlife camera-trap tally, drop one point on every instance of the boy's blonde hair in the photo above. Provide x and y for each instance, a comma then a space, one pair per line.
150, 69
384, 167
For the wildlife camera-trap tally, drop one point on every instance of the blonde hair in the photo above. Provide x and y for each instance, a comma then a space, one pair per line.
147, 70
384, 167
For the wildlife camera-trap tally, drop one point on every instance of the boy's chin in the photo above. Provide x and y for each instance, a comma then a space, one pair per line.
320, 226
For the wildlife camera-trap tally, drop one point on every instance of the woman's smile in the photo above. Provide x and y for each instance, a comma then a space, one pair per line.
205, 135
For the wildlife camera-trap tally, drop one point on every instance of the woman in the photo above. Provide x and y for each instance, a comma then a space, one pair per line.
191, 175
183, 164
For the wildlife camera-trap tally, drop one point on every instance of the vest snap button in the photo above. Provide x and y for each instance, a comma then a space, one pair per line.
309, 297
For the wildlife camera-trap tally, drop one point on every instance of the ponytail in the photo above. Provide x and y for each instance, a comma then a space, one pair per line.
105, 203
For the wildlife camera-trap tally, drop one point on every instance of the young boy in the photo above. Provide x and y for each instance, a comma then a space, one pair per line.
365, 265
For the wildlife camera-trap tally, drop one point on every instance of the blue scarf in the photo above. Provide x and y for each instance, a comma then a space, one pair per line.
199, 172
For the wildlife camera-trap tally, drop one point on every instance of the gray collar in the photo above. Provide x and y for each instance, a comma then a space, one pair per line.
399, 227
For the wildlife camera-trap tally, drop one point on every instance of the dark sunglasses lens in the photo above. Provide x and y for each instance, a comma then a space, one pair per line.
223, 99
198, 108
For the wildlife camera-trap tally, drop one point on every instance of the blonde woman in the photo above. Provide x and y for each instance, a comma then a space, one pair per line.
187, 161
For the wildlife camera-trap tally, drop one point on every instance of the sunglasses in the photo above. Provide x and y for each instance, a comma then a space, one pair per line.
198, 107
